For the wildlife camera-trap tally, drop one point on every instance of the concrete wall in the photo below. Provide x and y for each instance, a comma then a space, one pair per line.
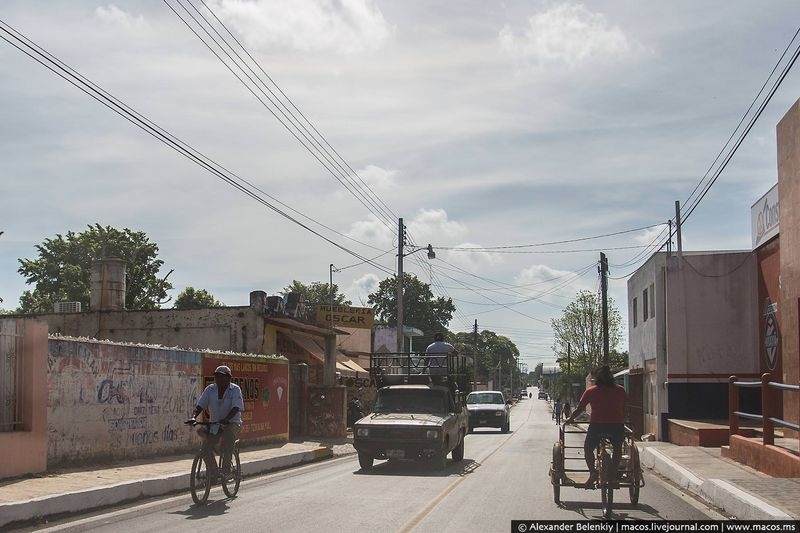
712, 317
788, 132
235, 329
118, 401
24, 450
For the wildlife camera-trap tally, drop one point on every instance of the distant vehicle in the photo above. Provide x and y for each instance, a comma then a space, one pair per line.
489, 409
523, 393
542, 395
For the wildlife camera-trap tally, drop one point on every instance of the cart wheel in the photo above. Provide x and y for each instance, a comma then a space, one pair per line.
607, 498
556, 470
606, 490
636, 475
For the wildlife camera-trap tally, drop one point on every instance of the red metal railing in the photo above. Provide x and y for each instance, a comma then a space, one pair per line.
768, 390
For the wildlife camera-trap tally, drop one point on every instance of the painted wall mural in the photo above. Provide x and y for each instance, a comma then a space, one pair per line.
114, 401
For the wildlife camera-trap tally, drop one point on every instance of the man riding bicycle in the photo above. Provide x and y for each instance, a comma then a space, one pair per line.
224, 403
607, 419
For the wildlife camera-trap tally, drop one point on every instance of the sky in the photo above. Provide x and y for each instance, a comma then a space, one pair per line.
486, 126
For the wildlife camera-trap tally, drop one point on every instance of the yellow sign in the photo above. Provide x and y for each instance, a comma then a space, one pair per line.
344, 316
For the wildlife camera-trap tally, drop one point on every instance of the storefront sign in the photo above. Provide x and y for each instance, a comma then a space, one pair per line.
345, 317
265, 388
765, 218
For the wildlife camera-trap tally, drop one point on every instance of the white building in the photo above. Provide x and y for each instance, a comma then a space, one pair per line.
692, 324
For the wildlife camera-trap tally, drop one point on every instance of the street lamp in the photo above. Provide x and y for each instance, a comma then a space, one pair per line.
401, 240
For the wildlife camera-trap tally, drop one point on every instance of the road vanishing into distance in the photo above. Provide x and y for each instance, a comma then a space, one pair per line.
503, 477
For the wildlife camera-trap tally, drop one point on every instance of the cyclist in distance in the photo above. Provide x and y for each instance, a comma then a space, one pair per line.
607, 419
224, 403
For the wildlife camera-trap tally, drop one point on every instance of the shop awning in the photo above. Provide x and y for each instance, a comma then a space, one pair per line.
310, 347
349, 363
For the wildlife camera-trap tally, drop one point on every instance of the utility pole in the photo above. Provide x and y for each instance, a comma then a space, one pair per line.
669, 239
401, 237
604, 291
475, 355
678, 228
569, 349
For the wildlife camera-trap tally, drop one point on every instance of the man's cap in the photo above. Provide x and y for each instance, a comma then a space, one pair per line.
224, 370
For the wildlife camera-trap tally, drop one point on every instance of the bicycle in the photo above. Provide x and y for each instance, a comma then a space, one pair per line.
200, 481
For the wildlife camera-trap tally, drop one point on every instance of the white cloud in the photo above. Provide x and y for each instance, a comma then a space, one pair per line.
431, 225
537, 279
371, 231
377, 178
476, 261
344, 26
567, 34
361, 287
113, 15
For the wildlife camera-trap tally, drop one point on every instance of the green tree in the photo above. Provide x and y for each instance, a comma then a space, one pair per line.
62, 272
420, 308
318, 293
191, 298
581, 329
493, 354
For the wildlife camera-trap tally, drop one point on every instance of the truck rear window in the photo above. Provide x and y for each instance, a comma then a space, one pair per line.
411, 401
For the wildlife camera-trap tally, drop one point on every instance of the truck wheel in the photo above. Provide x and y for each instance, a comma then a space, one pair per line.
506, 427
458, 451
365, 461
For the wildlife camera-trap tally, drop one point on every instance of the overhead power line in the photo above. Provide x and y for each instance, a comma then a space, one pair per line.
688, 207
286, 114
67, 73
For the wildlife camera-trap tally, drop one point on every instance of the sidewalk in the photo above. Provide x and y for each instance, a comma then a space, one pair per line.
737, 489
31, 498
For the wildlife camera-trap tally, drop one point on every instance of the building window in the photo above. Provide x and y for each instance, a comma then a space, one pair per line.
635, 313
10, 380
652, 301
644, 305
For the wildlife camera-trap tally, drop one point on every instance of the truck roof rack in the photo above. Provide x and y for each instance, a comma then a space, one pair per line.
414, 368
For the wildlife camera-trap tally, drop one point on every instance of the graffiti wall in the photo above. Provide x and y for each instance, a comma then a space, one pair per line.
118, 401
264, 382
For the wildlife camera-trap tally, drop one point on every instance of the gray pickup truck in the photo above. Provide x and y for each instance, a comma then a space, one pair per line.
413, 422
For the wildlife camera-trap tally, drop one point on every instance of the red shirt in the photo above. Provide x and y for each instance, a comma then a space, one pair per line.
608, 404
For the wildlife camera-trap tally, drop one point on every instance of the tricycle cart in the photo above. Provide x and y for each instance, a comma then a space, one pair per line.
568, 468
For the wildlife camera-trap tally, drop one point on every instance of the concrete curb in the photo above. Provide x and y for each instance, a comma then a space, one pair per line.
655, 460
740, 503
94, 498
718, 492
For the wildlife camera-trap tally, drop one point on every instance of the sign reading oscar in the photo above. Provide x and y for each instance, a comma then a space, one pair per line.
343, 316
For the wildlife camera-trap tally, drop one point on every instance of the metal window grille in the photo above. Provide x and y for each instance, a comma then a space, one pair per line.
10, 377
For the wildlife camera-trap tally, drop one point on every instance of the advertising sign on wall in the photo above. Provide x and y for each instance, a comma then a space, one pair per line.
265, 388
345, 316
765, 217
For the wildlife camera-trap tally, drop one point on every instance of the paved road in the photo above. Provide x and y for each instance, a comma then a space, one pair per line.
503, 477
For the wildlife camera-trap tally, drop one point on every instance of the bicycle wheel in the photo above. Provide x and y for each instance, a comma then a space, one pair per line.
635, 475
230, 484
606, 487
199, 480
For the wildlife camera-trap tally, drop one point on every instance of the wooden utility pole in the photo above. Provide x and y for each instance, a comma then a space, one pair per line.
475, 355
400, 243
678, 228
604, 291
